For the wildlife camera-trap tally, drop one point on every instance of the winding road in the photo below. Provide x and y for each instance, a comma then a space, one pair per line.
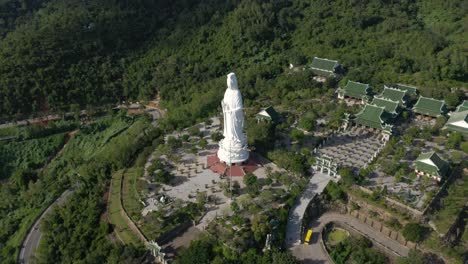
315, 253
28, 248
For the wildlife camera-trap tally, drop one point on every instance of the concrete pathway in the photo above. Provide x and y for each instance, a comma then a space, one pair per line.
315, 253
317, 183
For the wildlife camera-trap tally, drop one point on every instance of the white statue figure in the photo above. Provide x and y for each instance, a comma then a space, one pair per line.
233, 148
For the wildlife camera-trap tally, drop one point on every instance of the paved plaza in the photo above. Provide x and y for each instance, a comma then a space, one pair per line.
355, 148
192, 175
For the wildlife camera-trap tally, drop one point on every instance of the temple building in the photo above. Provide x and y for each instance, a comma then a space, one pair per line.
410, 90
356, 91
431, 165
373, 117
268, 114
324, 68
458, 122
395, 95
463, 106
391, 107
430, 107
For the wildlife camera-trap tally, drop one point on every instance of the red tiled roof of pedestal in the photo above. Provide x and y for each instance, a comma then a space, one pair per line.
222, 168
234, 171
218, 168
212, 160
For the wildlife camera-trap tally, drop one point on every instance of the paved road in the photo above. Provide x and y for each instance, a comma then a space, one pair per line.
315, 254
317, 183
34, 236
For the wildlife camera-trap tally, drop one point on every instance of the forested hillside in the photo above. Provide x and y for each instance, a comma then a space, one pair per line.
94, 53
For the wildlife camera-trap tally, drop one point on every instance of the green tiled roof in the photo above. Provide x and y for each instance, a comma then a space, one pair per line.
394, 95
372, 116
430, 107
323, 66
410, 90
432, 164
356, 89
389, 105
269, 113
463, 106
458, 122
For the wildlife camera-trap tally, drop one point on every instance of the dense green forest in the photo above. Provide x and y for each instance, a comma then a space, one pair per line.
95, 53
59, 54
84, 164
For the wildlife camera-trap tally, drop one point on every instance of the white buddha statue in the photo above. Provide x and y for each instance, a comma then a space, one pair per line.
233, 148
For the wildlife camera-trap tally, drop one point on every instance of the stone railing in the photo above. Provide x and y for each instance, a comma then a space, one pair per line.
395, 204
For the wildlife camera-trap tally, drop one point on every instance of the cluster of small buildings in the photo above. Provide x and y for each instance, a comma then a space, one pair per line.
380, 112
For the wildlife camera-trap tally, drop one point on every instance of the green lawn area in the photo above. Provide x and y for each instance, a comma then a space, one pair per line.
335, 236
115, 217
131, 198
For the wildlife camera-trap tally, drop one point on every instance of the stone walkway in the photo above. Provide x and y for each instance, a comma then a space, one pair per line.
317, 183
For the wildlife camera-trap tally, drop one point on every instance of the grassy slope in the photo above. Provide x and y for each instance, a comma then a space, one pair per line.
121, 228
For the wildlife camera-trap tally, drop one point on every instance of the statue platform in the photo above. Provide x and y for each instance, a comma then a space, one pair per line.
236, 170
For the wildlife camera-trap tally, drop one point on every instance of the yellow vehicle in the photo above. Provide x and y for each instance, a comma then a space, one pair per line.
308, 236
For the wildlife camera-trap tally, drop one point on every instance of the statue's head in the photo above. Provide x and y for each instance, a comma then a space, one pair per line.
232, 81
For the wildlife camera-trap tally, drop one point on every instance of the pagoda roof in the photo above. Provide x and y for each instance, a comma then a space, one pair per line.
389, 105
463, 106
324, 67
458, 122
356, 89
429, 106
269, 113
432, 164
393, 94
410, 90
373, 116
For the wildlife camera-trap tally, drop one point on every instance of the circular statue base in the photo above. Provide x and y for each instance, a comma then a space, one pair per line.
236, 169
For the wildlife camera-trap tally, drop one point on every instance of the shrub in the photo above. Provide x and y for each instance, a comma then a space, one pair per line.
414, 232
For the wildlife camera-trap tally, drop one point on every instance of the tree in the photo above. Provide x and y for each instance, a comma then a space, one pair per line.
199, 250
216, 136
464, 147
174, 142
260, 226
414, 232
348, 177
454, 140
334, 192
453, 99
201, 198
251, 183
308, 121
297, 135
194, 131
415, 256
235, 207
235, 187
203, 143
261, 135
